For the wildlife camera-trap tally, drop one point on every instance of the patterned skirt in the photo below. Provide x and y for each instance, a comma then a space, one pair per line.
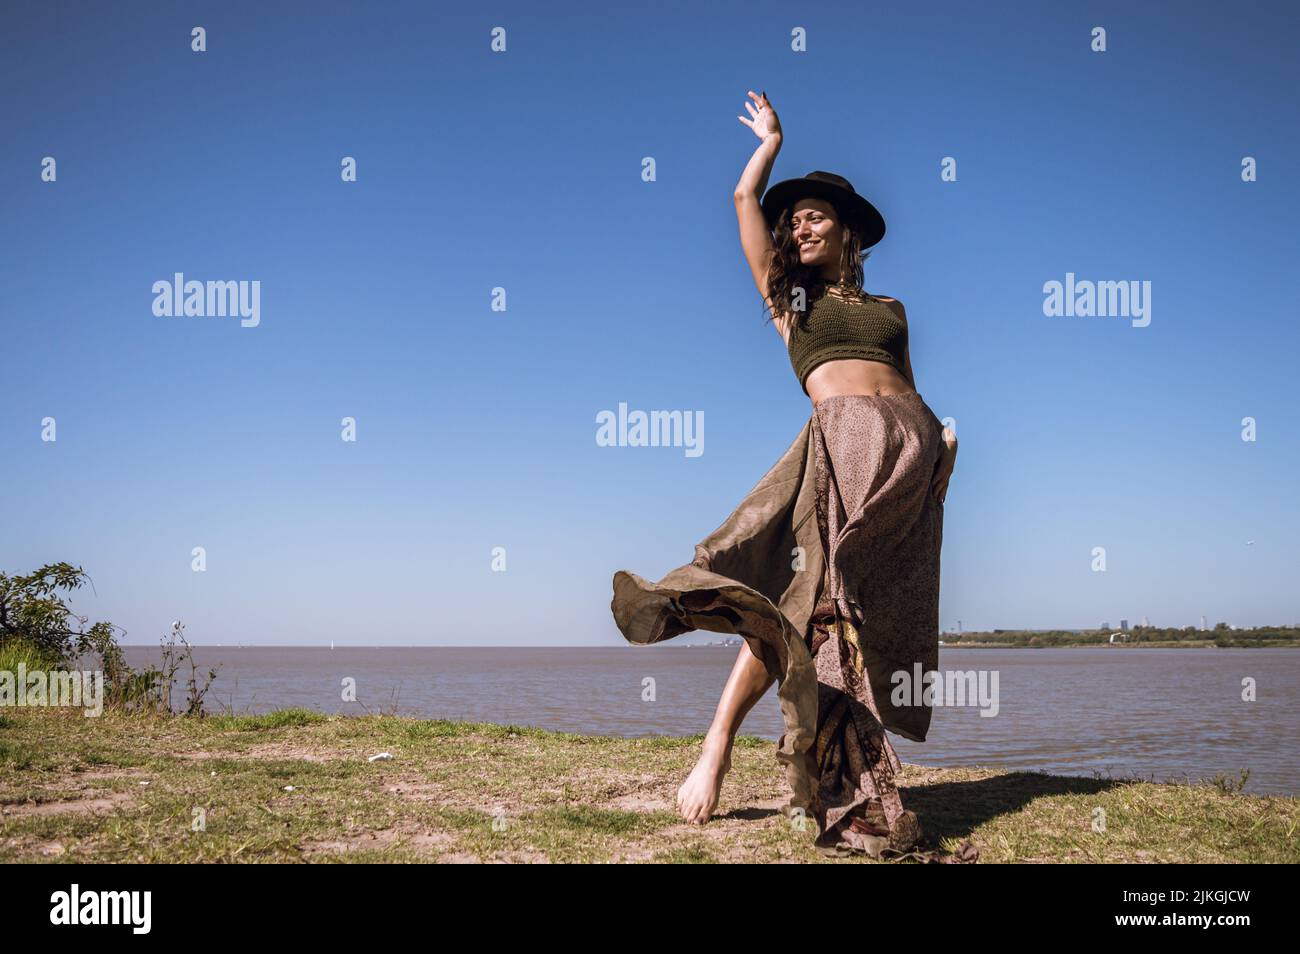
877, 614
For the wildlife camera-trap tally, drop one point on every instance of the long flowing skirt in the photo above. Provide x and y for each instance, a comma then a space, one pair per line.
877, 613
849, 625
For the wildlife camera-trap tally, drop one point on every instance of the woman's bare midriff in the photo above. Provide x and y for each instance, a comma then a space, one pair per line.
854, 376
845, 376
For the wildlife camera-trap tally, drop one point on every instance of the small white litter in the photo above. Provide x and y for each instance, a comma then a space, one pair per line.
288, 788
381, 757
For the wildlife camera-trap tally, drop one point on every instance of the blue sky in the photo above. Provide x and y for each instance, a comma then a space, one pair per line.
522, 170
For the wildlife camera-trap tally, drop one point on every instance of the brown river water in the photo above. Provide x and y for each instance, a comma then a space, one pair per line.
1159, 714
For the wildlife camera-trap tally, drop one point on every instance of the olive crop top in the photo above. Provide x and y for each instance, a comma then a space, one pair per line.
837, 328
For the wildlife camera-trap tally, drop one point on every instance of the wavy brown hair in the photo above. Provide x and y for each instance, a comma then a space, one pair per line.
786, 273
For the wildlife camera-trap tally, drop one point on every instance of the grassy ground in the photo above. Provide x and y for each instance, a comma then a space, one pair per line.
298, 786
1026, 643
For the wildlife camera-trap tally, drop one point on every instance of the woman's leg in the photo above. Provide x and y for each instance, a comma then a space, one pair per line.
747, 683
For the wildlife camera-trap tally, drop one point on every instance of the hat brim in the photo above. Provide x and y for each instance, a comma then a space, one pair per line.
863, 217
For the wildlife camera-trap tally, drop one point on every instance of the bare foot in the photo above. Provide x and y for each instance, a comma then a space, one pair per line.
698, 795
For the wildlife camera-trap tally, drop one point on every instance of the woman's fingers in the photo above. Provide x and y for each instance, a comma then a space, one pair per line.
755, 108
760, 103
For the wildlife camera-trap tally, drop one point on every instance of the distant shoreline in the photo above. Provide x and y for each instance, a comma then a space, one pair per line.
1197, 644
1221, 637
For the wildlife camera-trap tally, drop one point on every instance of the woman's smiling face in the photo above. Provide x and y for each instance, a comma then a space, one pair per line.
816, 231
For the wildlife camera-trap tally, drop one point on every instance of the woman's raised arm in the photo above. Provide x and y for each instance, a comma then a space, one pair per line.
755, 237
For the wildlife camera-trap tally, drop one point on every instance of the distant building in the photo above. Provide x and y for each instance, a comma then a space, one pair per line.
1203, 626
1123, 624
958, 626
1144, 620
1104, 626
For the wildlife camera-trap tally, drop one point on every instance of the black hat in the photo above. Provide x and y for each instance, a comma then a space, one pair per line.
859, 214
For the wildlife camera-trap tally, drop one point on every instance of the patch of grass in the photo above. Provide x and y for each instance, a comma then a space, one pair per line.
296, 785
432, 729
279, 719
694, 855
14, 652
600, 821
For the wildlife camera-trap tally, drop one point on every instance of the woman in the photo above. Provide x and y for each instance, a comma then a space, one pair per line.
841, 610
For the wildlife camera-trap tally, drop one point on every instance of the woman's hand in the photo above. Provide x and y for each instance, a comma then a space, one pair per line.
763, 119
943, 471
